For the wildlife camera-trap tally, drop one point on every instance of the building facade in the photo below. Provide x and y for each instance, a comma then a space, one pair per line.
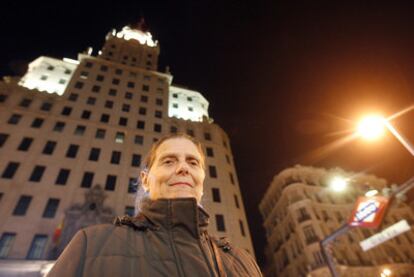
299, 210
72, 136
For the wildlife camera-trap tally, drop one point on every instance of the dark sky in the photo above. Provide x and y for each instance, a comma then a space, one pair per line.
285, 79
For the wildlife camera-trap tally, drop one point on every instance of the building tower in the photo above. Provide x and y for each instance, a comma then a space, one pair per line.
299, 210
72, 135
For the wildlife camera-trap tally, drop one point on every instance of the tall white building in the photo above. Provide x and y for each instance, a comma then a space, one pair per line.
72, 135
299, 210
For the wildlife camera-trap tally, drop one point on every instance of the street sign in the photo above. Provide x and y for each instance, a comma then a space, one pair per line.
386, 234
368, 211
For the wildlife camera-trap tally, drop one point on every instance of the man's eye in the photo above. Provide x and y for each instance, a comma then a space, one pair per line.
194, 162
168, 162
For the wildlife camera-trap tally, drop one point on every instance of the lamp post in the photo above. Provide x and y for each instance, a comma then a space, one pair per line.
369, 128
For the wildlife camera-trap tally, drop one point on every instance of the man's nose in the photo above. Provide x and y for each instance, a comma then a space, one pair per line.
182, 168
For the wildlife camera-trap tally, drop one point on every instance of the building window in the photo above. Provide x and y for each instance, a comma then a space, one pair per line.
207, 136
228, 159
231, 178
125, 108
22, 205
173, 129
145, 87
3, 97
112, 92
212, 171
110, 182
66, 111
88, 64
14, 119
109, 104
115, 81
62, 81
190, 132
72, 151
91, 101
86, 114
132, 185
105, 118
139, 139
96, 88
209, 152
119, 137
100, 78
51, 208
175, 95
79, 85
123, 121
140, 124
80, 130
131, 84
216, 195
100, 133
136, 160
144, 98
158, 102
37, 122
87, 179
84, 74
73, 97
62, 177
25, 103
6, 243
3, 139
25, 144
10, 170
37, 173
157, 128
67, 71
128, 95
236, 202
59, 126
142, 111
310, 234
115, 157
242, 228
118, 71
190, 109
46, 106
189, 99
37, 247
220, 223
158, 114
94, 154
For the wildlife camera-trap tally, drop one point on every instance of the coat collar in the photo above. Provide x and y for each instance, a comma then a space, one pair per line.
178, 213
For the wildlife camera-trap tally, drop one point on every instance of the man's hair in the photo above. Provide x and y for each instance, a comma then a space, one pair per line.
150, 157
142, 196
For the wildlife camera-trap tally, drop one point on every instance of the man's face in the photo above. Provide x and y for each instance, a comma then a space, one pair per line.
177, 171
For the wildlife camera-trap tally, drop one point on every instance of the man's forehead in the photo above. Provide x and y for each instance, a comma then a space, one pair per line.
175, 147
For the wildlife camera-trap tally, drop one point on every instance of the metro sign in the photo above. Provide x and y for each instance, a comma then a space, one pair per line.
368, 211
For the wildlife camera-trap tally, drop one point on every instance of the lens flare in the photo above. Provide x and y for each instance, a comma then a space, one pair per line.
371, 127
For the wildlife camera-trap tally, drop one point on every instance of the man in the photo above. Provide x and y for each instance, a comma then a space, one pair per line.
169, 236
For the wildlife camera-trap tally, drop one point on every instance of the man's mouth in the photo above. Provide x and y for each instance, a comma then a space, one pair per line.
181, 184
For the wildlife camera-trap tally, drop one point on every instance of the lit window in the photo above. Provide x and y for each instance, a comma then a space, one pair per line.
119, 137
6, 243
37, 248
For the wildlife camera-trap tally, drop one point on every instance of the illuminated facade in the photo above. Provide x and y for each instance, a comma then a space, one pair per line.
299, 211
70, 158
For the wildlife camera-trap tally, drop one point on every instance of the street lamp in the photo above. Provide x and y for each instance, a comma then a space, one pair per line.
338, 183
372, 127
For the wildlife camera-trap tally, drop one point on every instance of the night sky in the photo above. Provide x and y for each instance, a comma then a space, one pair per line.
285, 79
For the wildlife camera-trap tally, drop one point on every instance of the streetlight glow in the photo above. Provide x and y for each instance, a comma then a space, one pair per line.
338, 184
371, 127
386, 272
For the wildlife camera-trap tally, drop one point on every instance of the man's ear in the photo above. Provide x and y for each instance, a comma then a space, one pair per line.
143, 175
